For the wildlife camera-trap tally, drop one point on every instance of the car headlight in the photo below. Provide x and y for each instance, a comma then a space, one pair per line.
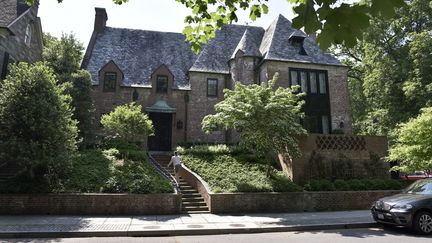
403, 206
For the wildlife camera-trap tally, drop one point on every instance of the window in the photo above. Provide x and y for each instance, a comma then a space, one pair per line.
310, 81
28, 33
135, 95
303, 82
313, 83
212, 87
110, 80
162, 84
294, 80
4, 68
322, 83
325, 125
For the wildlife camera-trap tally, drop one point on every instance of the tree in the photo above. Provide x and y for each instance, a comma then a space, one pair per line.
390, 74
36, 126
335, 21
64, 56
266, 117
128, 122
413, 146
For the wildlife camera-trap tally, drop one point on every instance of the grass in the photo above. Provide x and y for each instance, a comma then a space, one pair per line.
228, 170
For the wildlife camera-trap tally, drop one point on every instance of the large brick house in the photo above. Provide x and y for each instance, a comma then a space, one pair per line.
178, 88
20, 33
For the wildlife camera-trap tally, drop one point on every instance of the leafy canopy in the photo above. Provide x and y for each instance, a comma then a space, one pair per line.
413, 146
266, 117
36, 126
128, 122
335, 21
390, 75
64, 56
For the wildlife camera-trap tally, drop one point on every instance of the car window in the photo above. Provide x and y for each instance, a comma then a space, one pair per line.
420, 187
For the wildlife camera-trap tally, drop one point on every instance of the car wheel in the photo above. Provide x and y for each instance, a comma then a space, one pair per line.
423, 222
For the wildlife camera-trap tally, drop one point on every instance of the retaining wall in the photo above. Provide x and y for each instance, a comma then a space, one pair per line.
90, 203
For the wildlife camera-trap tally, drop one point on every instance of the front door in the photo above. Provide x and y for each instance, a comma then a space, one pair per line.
162, 123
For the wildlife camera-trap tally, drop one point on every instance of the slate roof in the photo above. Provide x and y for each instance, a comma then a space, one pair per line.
275, 45
250, 42
10, 10
138, 53
215, 55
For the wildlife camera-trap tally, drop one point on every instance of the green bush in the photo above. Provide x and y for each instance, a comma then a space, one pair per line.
341, 185
213, 149
356, 185
108, 171
241, 173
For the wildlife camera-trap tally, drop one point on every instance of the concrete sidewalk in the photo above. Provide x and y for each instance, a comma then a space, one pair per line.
184, 224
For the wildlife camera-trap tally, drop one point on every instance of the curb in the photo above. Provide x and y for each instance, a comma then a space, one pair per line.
72, 234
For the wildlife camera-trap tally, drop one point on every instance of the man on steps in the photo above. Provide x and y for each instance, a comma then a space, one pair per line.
176, 161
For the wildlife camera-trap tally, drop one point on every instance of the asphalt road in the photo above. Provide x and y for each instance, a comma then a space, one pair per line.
390, 235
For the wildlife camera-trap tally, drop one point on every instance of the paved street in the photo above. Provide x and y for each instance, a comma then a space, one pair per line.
331, 236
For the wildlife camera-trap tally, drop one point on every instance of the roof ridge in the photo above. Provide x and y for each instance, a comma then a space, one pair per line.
133, 29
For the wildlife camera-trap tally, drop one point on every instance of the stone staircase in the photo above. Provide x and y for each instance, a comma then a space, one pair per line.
192, 201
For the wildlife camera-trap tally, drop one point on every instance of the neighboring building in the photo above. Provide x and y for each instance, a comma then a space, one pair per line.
20, 33
178, 88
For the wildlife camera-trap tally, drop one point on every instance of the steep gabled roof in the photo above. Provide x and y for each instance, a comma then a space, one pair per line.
250, 42
275, 45
11, 10
216, 54
139, 52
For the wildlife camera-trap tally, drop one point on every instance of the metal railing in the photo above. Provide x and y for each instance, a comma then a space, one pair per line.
164, 172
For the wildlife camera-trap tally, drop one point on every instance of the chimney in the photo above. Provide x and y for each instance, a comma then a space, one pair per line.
100, 20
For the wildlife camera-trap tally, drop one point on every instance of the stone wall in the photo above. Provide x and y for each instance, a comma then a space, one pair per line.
90, 204
358, 157
294, 201
340, 107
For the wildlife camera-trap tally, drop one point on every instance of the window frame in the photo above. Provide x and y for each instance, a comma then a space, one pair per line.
105, 87
308, 79
216, 88
158, 89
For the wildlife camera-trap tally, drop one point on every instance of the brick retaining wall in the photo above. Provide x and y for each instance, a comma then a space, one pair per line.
90, 203
294, 201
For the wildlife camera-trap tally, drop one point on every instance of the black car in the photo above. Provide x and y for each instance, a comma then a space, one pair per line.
411, 208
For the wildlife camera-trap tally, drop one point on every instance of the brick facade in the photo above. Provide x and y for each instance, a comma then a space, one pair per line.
240, 54
89, 204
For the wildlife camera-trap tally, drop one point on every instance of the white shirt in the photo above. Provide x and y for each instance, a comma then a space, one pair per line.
175, 160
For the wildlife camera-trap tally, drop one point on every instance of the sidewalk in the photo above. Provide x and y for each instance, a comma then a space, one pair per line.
185, 224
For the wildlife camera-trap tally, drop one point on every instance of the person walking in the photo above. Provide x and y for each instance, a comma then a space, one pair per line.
176, 162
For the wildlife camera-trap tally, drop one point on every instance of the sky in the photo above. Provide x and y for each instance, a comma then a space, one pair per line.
77, 16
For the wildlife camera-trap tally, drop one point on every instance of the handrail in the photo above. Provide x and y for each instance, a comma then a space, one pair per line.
164, 173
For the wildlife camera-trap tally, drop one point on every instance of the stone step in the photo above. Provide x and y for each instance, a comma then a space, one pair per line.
194, 212
192, 199
194, 208
188, 191
186, 187
191, 195
194, 204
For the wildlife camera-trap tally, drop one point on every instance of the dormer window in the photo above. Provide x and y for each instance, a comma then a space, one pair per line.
297, 41
162, 84
28, 33
110, 80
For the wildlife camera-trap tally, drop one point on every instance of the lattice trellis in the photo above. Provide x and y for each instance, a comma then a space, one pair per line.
340, 143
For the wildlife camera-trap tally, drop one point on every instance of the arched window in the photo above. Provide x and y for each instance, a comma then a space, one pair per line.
28, 33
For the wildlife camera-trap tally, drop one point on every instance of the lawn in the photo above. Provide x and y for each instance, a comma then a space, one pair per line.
229, 169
